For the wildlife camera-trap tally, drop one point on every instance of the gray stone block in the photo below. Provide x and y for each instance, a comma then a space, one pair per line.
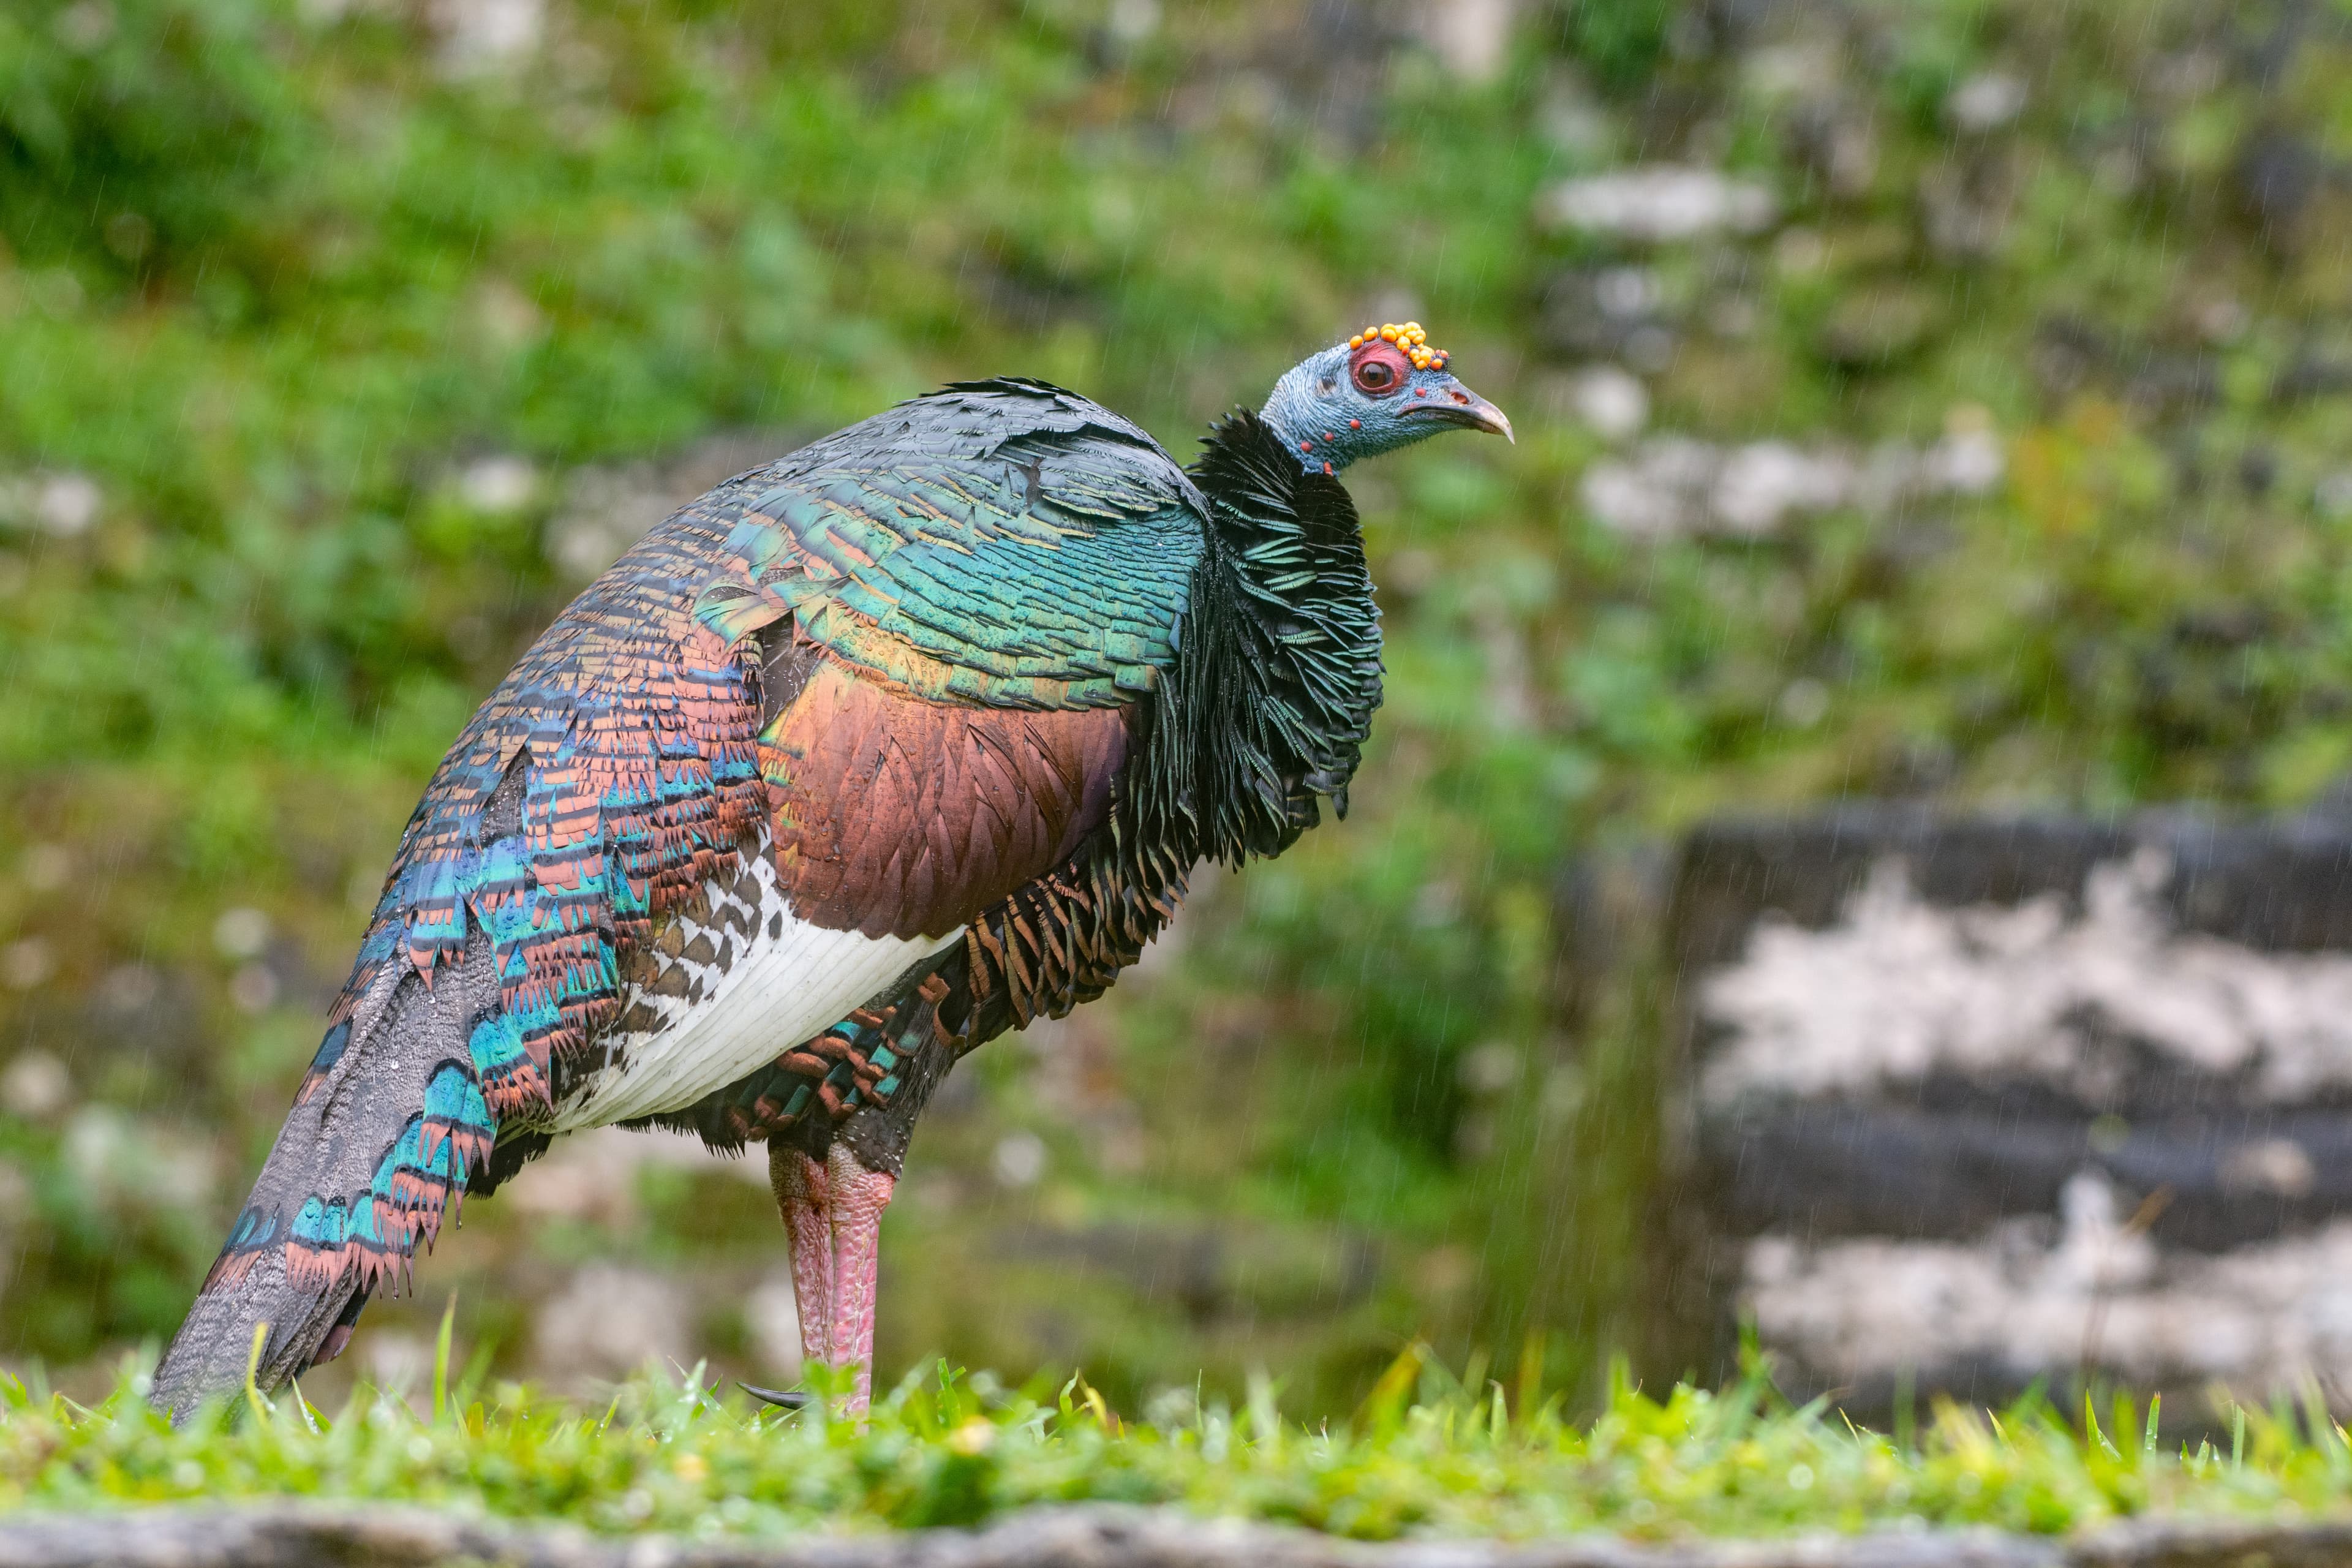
267, 1535
1984, 1101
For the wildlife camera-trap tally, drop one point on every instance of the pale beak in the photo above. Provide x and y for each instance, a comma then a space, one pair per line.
1450, 403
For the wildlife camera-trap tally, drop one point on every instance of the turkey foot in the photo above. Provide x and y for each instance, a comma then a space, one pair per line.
858, 1197
803, 1190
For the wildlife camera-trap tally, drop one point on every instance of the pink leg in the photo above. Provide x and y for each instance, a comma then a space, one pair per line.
859, 1196
805, 1194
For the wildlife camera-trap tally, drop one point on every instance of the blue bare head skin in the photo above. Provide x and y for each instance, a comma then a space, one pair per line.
1381, 390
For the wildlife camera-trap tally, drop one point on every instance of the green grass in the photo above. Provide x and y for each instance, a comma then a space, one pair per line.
1428, 1453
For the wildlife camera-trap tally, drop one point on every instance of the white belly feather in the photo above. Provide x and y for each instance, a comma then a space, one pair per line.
770, 982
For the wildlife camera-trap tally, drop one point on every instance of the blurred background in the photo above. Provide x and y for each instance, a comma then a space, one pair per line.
1942, 401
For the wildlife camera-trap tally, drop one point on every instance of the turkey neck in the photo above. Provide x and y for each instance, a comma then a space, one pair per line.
1278, 670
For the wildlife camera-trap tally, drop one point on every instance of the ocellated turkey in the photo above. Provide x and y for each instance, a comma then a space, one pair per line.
863, 757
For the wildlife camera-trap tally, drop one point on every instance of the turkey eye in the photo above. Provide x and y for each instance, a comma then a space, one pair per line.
1374, 376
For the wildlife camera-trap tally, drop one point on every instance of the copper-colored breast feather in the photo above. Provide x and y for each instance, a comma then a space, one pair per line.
895, 816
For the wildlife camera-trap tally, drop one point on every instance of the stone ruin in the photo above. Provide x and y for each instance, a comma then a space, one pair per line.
1966, 1104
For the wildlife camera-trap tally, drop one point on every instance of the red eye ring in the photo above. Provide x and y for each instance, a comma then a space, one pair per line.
1378, 369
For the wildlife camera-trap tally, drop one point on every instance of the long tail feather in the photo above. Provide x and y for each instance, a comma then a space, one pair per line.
378, 1149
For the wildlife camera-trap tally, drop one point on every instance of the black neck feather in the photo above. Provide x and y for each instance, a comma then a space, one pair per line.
1279, 669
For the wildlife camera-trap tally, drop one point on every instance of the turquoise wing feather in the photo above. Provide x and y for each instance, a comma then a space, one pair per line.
1019, 547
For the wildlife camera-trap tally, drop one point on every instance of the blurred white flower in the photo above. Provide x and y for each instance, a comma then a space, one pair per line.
1675, 486
1763, 482
1472, 39
500, 484
1986, 101
241, 932
34, 1086
1659, 203
1804, 702
1613, 402
62, 504
1019, 1160
67, 504
483, 35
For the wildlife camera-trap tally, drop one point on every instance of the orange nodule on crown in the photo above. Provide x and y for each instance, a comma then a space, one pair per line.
1410, 337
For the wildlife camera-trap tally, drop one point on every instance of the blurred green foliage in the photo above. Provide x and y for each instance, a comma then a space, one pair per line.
278, 278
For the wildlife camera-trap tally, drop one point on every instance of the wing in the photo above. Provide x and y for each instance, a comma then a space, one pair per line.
1000, 544
957, 606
